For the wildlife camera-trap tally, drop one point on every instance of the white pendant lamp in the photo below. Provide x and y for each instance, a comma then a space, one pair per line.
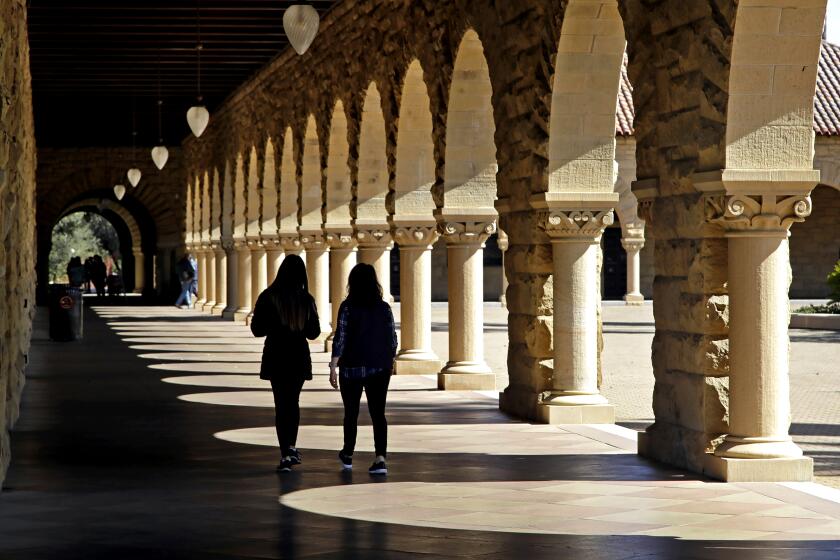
119, 191
134, 175
300, 22
160, 155
197, 117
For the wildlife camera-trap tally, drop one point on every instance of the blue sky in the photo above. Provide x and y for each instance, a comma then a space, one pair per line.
832, 20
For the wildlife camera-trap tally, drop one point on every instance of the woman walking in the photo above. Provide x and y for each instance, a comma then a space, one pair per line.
364, 347
285, 314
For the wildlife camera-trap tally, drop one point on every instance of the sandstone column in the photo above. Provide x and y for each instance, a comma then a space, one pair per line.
274, 256
574, 397
201, 259
758, 446
210, 275
232, 275
318, 272
375, 249
221, 279
243, 281
504, 243
139, 270
466, 368
633, 246
259, 274
415, 356
342, 260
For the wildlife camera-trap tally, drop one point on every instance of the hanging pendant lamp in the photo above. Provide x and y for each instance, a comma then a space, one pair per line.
159, 153
133, 174
119, 191
198, 116
300, 22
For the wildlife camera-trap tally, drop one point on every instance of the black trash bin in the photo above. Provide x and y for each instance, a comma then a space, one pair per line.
66, 315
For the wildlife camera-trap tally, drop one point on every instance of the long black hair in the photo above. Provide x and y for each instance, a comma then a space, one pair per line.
363, 289
290, 293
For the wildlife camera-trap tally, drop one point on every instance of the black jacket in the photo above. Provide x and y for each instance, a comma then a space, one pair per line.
369, 338
285, 352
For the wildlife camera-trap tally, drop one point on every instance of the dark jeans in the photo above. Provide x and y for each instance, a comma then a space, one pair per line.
286, 411
376, 390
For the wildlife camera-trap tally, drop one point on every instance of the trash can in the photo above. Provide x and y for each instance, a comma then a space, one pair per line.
66, 313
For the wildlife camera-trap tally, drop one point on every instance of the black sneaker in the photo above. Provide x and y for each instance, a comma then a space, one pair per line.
378, 466
295, 456
346, 460
285, 465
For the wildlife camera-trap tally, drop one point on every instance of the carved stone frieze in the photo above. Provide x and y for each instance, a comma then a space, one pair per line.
416, 236
370, 236
468, 233
757, 212
290, 243
313, 240
571, 224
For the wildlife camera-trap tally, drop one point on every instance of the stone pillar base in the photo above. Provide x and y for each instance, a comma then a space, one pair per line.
634, 299
218, 310
208, 307
800, 469
467, 381
328, 344
576, 414
229, 314
241, 314
417, 366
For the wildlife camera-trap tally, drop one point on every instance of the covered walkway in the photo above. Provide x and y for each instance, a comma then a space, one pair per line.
152, 438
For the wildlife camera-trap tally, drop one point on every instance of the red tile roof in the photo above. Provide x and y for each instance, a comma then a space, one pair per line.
826, 101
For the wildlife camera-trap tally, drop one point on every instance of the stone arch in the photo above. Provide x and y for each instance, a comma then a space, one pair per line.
227, 207
310, 188
470, 155
772, 78
126, 216
288, 199
415, 150
269, 190
215, 206
338, 193
583, 103
240, 199
205, 207
253, 181
372, 186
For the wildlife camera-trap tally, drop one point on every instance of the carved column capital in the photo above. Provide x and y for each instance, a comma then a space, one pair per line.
633, 244
254, 243
227, 244
374, 236
271, 243
757, 214
313, 240
415, 235
340, 240
290, 243
467, 232
576, 225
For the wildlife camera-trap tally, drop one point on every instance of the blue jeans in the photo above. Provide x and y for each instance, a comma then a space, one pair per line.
186, 293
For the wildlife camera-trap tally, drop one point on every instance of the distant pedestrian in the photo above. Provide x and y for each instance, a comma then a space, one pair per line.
75, 272
186, 275
364, 348
286, 315
97, 275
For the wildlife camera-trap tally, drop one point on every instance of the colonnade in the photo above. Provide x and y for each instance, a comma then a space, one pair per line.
335, 183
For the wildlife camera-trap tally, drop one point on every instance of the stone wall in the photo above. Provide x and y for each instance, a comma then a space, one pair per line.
17, 215
815, 245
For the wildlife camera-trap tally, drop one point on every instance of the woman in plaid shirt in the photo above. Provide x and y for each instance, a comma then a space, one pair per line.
364, 347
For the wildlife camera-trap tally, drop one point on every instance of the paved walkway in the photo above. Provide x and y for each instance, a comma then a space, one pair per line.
152, 439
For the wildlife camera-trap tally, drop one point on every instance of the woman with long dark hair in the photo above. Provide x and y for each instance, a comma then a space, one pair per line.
286, 315
364, 347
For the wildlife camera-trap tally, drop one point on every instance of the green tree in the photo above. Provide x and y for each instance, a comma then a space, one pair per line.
80, 234
833, 281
